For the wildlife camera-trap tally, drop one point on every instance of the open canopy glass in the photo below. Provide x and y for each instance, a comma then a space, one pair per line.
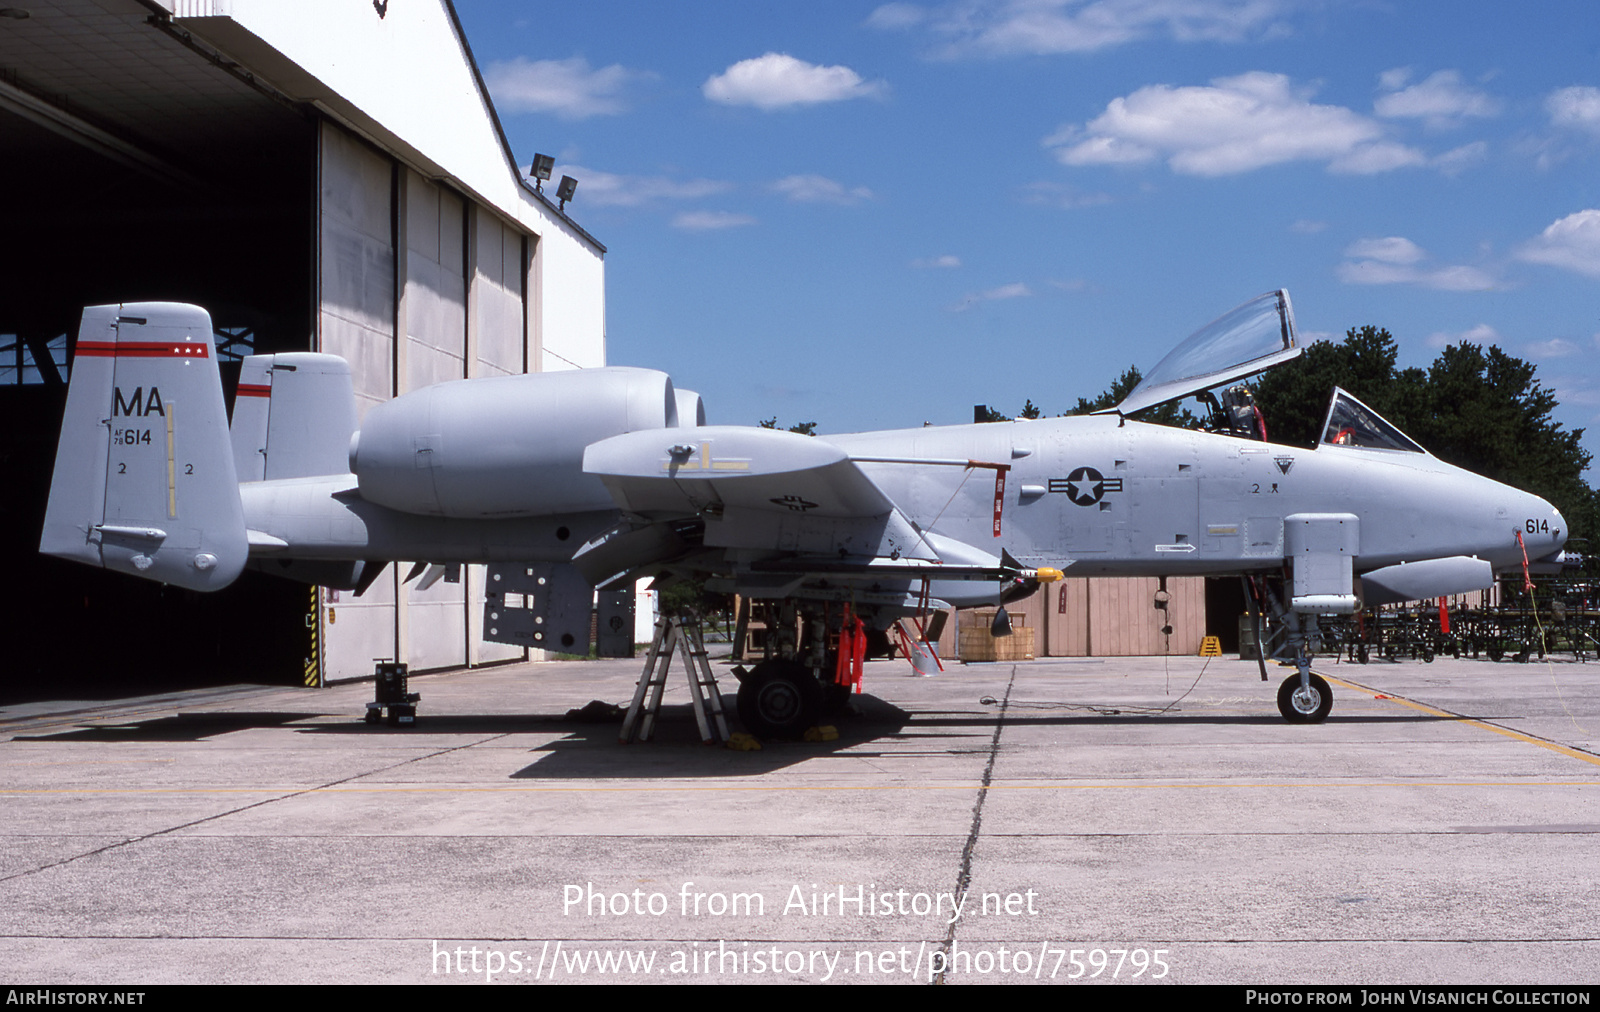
1250, 339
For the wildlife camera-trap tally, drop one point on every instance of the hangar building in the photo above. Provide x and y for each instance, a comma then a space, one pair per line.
325, 176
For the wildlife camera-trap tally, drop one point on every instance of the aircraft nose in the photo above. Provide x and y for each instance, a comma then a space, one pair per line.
1544, 529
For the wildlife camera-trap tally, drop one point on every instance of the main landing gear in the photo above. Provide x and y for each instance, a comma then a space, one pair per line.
779, 699
803, 679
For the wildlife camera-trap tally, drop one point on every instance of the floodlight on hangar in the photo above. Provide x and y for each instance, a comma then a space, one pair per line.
540, 170
564, 192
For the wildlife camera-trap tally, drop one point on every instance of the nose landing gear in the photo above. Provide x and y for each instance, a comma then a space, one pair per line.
1305, 699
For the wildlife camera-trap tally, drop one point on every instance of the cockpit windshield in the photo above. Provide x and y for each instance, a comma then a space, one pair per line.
1351, 423
1254, 337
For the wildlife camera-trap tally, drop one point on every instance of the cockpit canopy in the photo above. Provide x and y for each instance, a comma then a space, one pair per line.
1351, 423
1252, 338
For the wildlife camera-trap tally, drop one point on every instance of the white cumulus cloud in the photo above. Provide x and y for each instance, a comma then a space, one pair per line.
710, 221
1015, 290
1234, 125
1556, 347
811, 189
1040, 27
608, 189
1572, 243
1396, 260
1482, 334
1441, 101
1393, 249
897, 16
1457, 160
1576, 108
570, 89
779, 81
947, 261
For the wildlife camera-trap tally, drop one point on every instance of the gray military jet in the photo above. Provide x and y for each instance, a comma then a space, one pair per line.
564, 482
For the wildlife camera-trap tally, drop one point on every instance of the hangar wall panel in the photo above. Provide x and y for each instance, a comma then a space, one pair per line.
1123, 621
495, 346
572, 327
356, 631
435, 317
356, 262
495, 314
436, 287
356, 321
1108, 616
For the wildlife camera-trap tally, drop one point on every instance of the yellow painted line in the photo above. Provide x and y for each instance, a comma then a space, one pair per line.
1571, 753
786, 788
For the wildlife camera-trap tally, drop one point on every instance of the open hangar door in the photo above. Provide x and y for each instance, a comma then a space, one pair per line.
137, 165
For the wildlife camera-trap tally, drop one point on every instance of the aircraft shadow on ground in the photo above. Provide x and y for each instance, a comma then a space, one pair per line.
591, 749
174, 728
675, 748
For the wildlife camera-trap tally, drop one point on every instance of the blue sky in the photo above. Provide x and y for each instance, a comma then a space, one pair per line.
875, 216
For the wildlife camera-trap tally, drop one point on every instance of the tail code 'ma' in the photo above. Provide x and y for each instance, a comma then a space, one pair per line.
144, 479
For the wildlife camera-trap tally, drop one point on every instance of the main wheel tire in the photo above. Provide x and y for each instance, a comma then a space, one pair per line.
1305, 706
779, 699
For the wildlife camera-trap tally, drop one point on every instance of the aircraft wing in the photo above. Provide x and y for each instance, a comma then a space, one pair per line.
758, 489
784, 505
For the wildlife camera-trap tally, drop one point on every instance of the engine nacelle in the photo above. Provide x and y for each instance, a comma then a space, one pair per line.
508, 446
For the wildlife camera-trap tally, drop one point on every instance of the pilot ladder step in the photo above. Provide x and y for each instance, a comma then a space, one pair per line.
678, 634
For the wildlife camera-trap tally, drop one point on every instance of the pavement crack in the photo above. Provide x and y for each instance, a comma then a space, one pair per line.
964, 877
242, 808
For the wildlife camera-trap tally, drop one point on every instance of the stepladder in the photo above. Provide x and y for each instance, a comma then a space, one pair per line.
676, 634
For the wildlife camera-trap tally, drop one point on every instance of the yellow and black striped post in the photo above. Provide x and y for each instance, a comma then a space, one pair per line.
313, 673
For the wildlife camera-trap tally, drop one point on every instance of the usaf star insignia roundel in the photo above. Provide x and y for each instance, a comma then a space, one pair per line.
1085, 486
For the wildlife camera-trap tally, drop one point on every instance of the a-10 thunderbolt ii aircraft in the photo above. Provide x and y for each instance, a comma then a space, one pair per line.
568, 481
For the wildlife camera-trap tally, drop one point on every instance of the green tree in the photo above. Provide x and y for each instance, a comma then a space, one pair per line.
804, 428
1162, 414
1477, 408
1294, 398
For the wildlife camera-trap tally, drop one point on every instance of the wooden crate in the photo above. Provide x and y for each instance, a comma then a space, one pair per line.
977, 644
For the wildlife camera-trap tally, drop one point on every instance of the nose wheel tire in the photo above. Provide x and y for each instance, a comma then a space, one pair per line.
1305, 705
779, 699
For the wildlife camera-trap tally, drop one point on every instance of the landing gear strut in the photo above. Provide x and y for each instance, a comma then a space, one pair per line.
1303, 698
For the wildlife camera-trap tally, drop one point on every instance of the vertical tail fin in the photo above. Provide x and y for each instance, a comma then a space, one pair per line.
144, 479
293, 417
